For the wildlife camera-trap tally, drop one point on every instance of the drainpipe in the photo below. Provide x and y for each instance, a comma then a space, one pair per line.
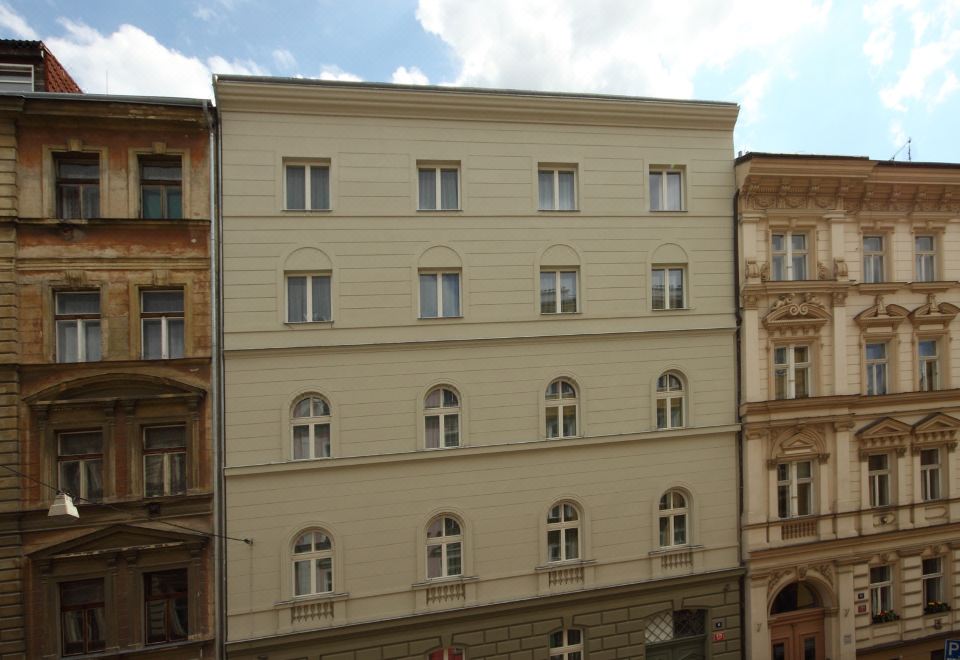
737, 376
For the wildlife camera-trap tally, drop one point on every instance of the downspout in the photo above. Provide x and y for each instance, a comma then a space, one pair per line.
737, 376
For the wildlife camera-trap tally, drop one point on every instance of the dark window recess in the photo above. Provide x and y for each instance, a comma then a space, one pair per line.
165, 606
161, 188
78, 186
689, 623
81, 617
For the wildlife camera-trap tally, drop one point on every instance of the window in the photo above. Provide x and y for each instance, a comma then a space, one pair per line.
925, 259
873, 259
451, 653
932, 579
307, 186
312, 564
558, 291
164, 461
77, 316
668, 289
791, 372
930, 474
566, 645
929, 365
666, 190
788, 256
16, 78
563, 532
439, 295
444, 548
80, 464
673, 519
439, 188
82, 624
165, 596
878, 473
794, 489
670, 401
161, 318
881, 590
667, 627
308, 298
161, 192
561, 409
441, 418
558, 189
876, 355
78, 186
311, 428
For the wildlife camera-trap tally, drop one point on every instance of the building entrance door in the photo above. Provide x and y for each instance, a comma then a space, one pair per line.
796, 624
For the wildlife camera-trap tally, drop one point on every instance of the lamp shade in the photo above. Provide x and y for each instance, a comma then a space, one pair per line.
63, 506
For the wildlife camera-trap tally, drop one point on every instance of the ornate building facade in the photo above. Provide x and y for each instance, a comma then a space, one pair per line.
850, 405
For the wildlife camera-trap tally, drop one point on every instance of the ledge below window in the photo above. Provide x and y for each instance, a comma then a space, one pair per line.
445, 593
312, 609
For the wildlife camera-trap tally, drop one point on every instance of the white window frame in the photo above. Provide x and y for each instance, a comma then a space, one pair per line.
670, 513
562, 524
788, 254
926, 363
935, 576
165, 318
792, 367
438, 168
876, 483
876, 259
556, 187
557, 290
167, 472
931, 479
925, 261
559, 404
308, 184
791, 484
664, 173
881, 590
442, 412
445, 542
80, 321
311, 557
309, 294
438, 275
666, 287
667, 396
570, 644
311, 422
875, 365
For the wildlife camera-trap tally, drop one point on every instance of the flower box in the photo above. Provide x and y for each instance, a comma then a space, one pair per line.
935, 607
886, 616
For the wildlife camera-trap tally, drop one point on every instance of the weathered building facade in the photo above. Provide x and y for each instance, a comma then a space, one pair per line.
849, 297
106, 352
478, 349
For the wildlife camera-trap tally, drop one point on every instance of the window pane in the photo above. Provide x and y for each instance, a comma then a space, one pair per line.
155, 612
174, 203
451, 430
432, 431
801, 386
567, 195
804, 498
319, 187
91, 200
658, 288
175, 338
783, 501
301, 577
665, 531
777, 270
676, 412
321, 440
656, 190
69, 201
321, 298
928, 348
546, 189
553, 545
572, 545
679, 529
428, 189
799, 263
428, 295
324, 575
673, 191
553, 422
153, 475
301, 442
780, 383
296, 187
70, 477
661, 413
152, 339
164, 437
433, 399
876, 351
152, 201
448, 189
78, 444
434, 561
296, 299
676, 288
548, 292
451, 527
450, 398
80, 302
178, 473
569, 421
162, 301
453, 559
568, 292
451, 294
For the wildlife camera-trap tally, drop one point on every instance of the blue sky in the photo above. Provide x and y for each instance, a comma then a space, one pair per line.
811, 76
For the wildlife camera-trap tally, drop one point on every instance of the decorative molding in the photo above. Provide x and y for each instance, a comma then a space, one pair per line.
796, 313
934, 314
881, 315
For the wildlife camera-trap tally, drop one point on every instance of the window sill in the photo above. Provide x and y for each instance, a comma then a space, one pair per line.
671, 428
306, 325
668, 210
305, 211
879, 287
440, 211
932, 287
661, 310
564, 437
568, 563
564, 211
312, 458
306, 599
433, 582
673, 549
440, 318
559, 314
442, 448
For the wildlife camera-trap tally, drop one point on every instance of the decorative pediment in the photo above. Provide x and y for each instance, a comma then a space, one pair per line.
120, 539
881, 316
886, 433
113, 387
934, 315
796, 314
798, 443
936, 428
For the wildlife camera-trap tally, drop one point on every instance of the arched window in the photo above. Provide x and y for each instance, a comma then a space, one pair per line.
311, 428
566, 644
671, 403
449, 653
563, 532
444, 547
560, 409
312, 564
673, 519
441, 418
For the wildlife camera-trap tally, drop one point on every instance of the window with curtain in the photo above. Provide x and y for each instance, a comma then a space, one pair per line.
930, 474
312, 564
666, 189
925, 258
788, 256
82, 622
673, 519
77, 319
794, 489
671, 401
162, 321
876, 367
439, 294
308, 298
164, 460
439, 188
161, 189
878, 475
307, 186
78, 185
881, 590
929, 363
558, 291
310, 426
873, 259
932, 582
166, 597
80, 464
557, 189
667, 287
444, 547
441, 418
560, 409
563, 532
791, 372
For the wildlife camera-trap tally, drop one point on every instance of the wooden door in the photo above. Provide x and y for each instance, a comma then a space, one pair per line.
797, 635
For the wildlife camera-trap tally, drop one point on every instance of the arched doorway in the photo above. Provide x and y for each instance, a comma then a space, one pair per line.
796, 624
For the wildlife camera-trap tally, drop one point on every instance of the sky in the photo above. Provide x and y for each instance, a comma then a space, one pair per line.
810, 76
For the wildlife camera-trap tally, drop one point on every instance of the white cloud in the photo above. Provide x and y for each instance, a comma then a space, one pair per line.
751, 93
411, 76
329, 72
204, 13
654, 48
284, 59
898, 136
13, 22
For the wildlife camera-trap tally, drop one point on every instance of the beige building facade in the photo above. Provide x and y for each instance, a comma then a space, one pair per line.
850, 409
478, 354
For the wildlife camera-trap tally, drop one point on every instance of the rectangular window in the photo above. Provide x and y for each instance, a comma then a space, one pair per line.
16, 78
876, 362
929, 474
667, 288
161, 320
308, 298
929, 363
794, 489
558, 189
439, 295
161, 188
881, 590
791, 371
925, 256
878, 474
932, 581
439, 188
82, 623
788, 256
558, 291
77, 317
164, 461
78, 185
307, 186
80, 464
165, 597
873, 259
666, 190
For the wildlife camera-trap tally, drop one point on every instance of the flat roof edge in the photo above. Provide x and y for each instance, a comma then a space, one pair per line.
110, 98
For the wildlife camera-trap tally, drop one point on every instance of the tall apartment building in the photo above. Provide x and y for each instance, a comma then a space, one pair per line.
479, 349
849, 295
105, 352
